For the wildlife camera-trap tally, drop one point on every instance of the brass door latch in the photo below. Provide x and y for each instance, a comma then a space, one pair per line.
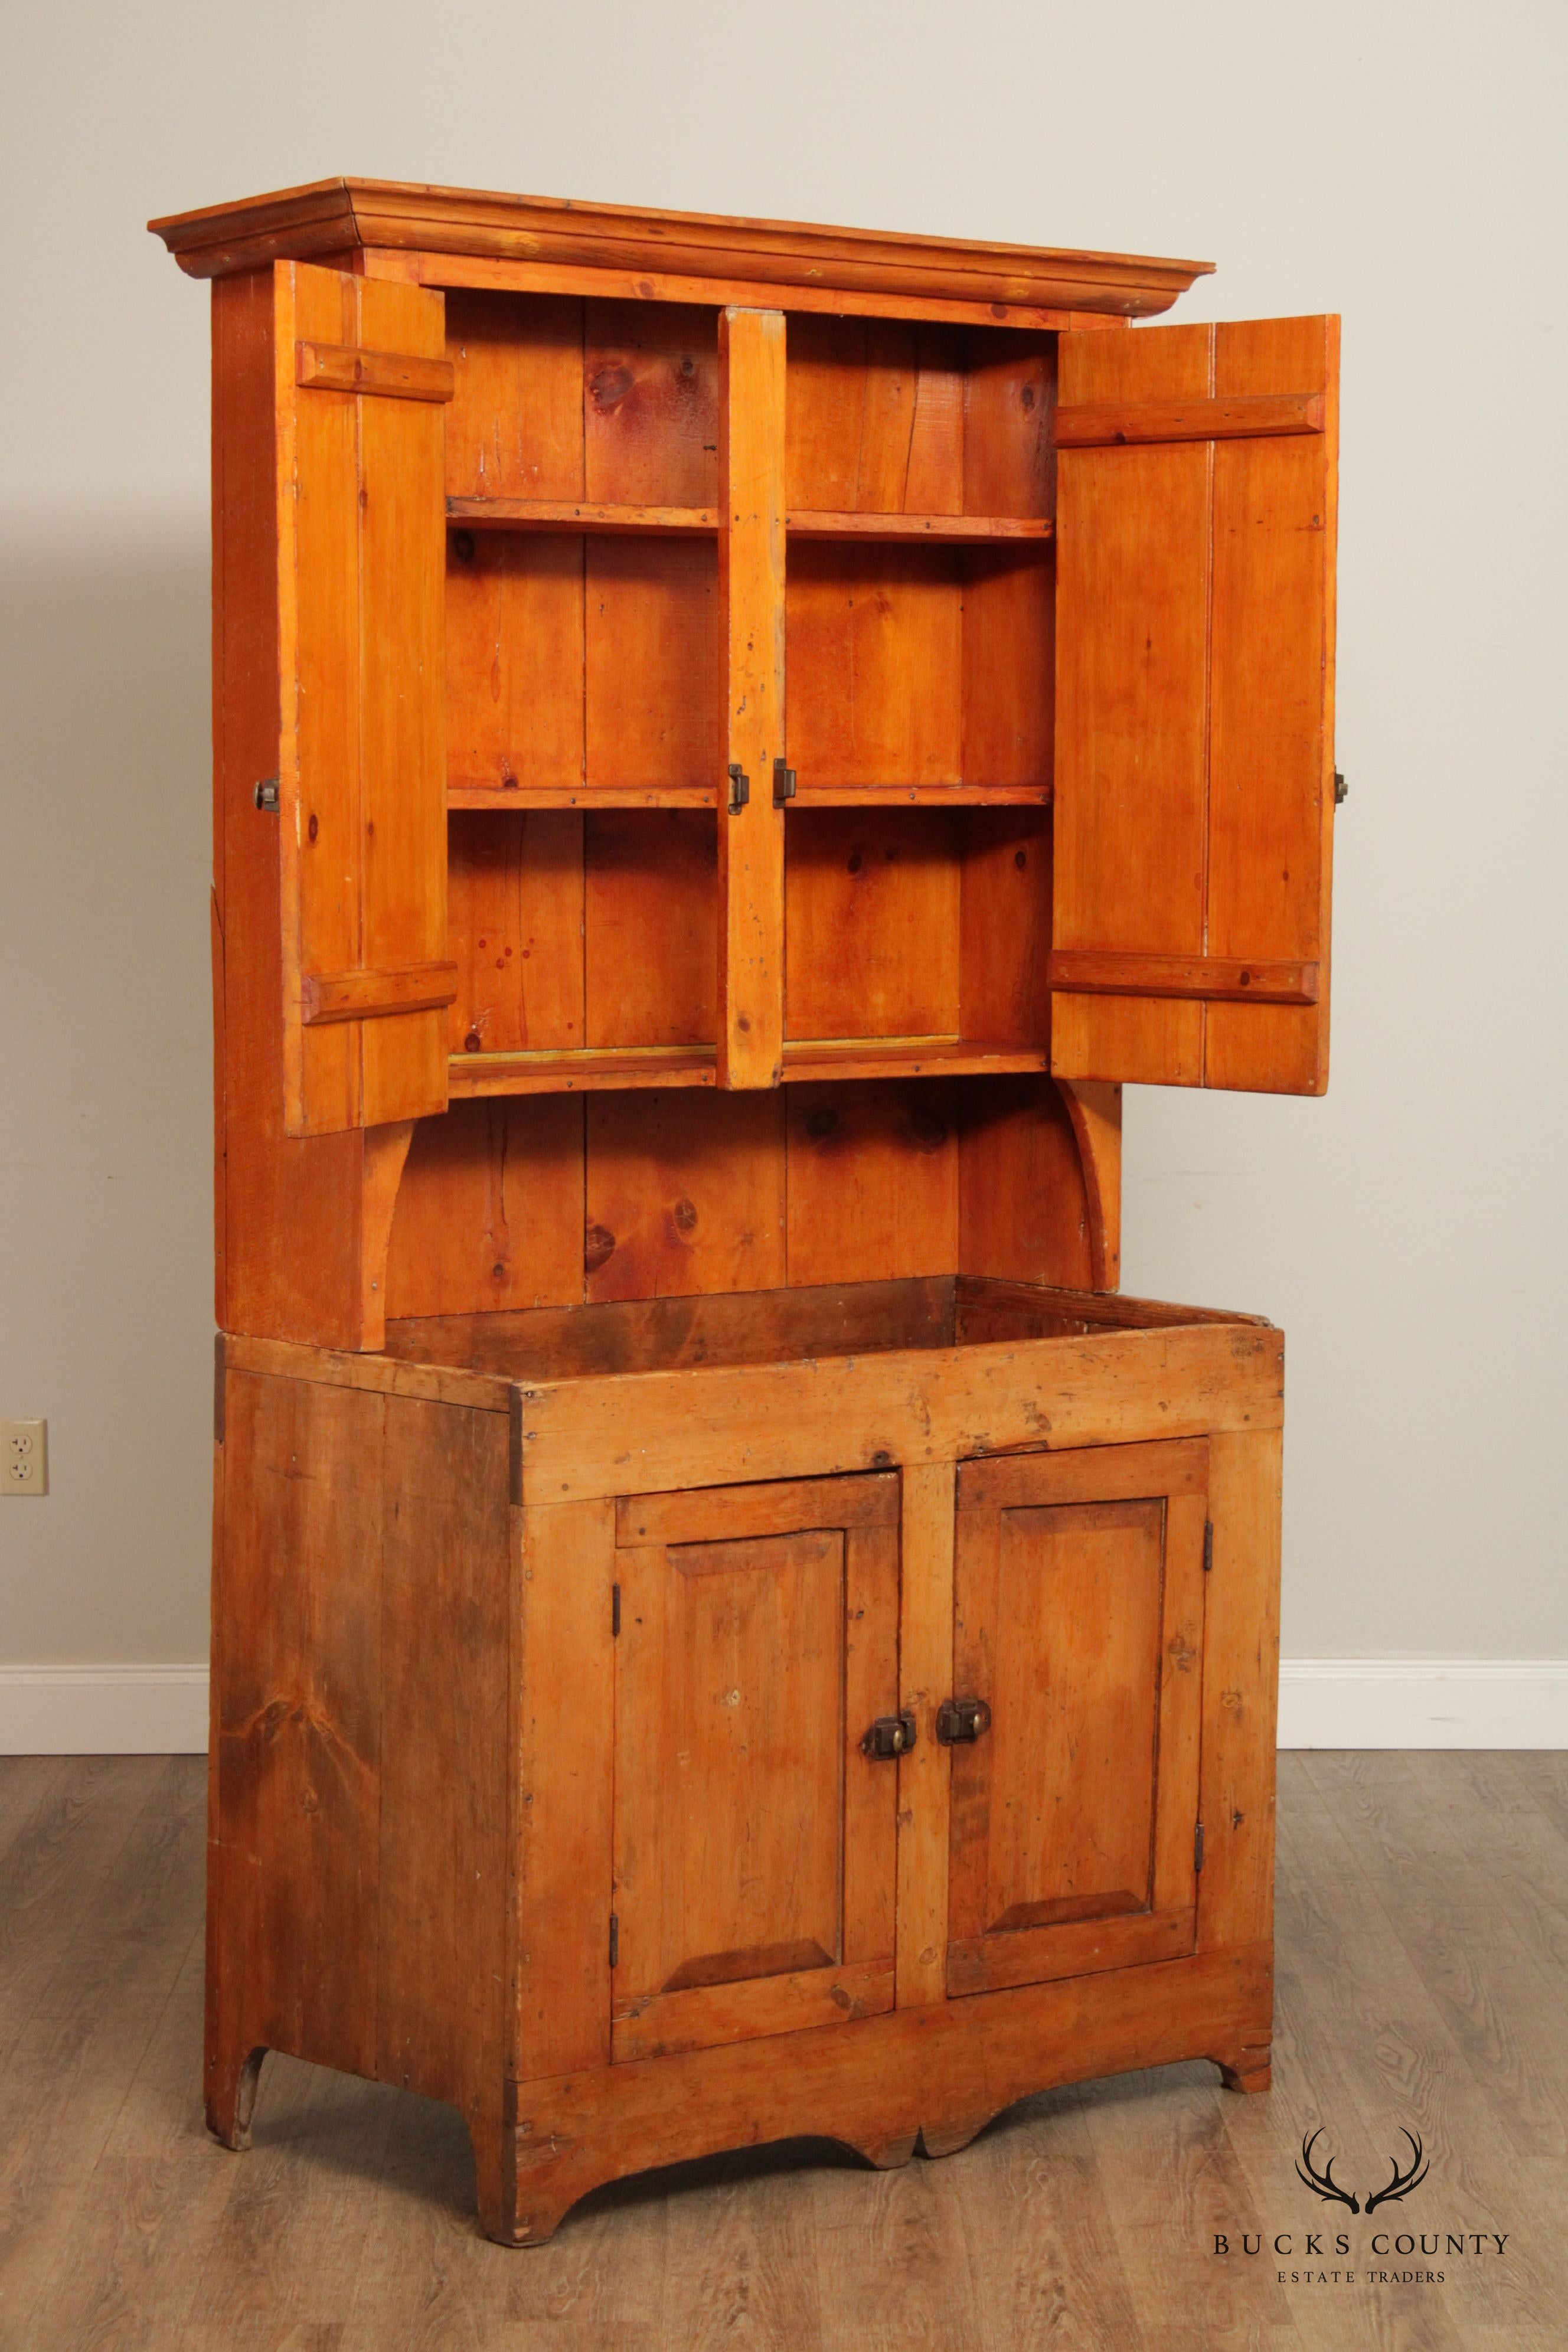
959, 1719
890, 1735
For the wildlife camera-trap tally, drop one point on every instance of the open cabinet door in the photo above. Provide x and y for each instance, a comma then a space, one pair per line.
362, 377
1195, 780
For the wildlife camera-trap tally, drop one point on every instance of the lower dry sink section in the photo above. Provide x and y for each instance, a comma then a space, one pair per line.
471, 1588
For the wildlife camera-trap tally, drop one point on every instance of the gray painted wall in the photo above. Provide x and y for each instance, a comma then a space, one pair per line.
1402, 166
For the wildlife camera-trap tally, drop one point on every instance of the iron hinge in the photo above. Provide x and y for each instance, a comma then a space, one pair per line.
740, 788
890, 1735
266, 796
1198, 1848
1341, 790
615, 1611
959, 1719
784, 783
615, 1941
1208, 1545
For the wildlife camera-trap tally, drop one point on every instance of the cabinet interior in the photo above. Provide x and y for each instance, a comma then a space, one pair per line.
585, 694
584, 702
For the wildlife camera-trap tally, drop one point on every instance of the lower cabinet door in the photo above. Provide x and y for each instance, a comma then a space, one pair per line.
1080, 1623
754, 1838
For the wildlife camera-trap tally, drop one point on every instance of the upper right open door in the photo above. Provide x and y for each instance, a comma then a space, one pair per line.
1195, 776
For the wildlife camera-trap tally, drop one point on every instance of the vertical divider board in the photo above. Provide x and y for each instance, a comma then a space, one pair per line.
751, 610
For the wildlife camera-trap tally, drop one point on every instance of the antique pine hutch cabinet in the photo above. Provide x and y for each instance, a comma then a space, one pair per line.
733, 740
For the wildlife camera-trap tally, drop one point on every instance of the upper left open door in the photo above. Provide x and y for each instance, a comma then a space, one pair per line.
362, 380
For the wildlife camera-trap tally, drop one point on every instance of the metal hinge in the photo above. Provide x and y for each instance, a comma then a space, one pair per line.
615, 1611
1208, 1545
740, 788
615, 1941
1341, 790
266, 795
1198, 1848
784, 783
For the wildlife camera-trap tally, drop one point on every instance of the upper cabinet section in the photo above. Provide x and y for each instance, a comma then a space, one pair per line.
723, 653
448, 237
1197, 474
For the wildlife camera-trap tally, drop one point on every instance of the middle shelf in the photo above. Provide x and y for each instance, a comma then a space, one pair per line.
517, 797
619, 520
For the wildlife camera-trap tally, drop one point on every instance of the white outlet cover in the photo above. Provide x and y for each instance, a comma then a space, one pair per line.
23, 1457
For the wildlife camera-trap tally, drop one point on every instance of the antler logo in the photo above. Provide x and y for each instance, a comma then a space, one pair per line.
1403, 2182
1324, 2184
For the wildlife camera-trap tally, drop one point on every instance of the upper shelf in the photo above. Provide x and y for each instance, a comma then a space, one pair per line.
331, 218
582, 515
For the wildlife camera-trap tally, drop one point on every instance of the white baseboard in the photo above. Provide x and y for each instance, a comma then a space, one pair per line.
1423, 1702
103, 1710
1323, 1703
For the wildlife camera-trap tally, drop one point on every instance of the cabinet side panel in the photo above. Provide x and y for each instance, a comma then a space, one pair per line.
1241, 1678
291, 1205
297, 1672
443, 1857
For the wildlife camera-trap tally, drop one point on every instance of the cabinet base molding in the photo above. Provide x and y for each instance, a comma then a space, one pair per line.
930, 2077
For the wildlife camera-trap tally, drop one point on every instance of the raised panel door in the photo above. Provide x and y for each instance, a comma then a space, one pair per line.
1078, 1615
754, 1840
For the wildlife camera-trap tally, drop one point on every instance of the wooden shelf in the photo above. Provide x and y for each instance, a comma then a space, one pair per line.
517, 798
905, 1057
579, 515
920, 796
585, 515
944, 529
599, 1068
588, 1069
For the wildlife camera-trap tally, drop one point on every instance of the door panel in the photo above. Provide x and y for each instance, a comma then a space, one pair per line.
1195, 550
361, 386
754, 1844
1078, 1618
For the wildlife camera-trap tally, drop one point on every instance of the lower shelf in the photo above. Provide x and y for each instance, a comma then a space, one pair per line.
604, 1067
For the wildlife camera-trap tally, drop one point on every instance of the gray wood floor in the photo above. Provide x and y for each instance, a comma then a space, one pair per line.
1423, 1922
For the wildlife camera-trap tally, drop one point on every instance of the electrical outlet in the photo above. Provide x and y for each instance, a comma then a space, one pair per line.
23, 1457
